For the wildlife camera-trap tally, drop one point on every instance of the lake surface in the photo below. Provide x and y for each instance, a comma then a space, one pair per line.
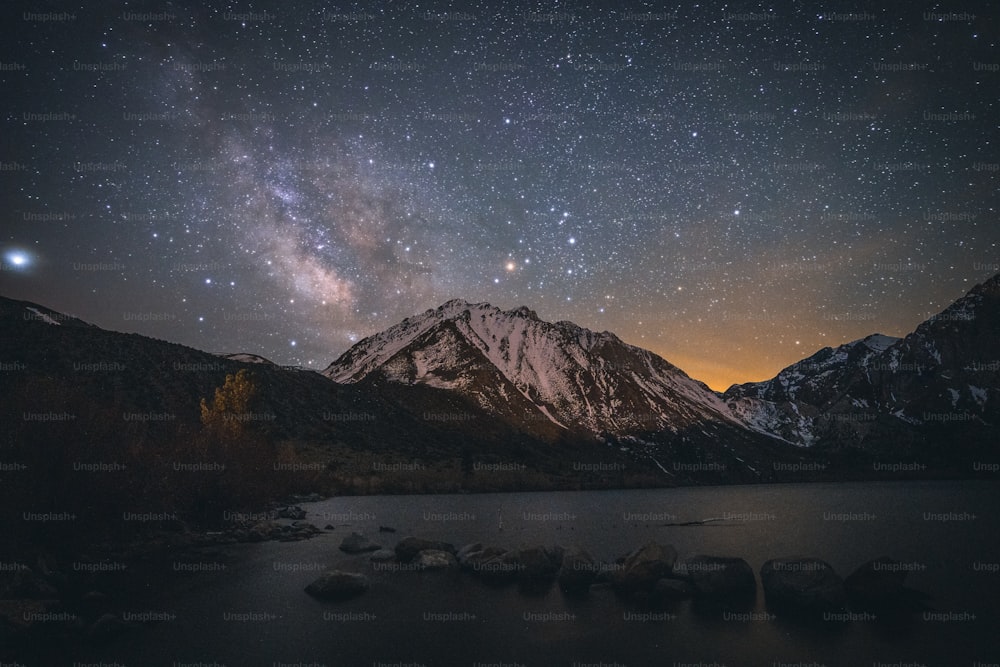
254, 612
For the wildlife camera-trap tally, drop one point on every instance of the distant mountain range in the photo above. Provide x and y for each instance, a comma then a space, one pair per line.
468, 384
932, 395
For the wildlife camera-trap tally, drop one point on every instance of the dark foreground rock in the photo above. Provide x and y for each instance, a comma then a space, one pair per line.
879, 585
270, 530
408, 548
491, 564
802, 585
720, 579
536, 563
357, 543
291, 512
106, 628
463, 554
579, 570
644, 567
337, 585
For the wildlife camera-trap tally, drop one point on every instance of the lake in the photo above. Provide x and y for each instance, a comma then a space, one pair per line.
254, 611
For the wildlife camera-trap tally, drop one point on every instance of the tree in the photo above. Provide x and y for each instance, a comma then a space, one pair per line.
224, 419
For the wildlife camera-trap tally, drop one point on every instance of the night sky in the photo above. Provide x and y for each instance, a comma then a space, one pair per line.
731, 186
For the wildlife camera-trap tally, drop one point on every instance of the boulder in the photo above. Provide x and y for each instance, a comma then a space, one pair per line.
537, 562
719, 579
263, 531
802, 585
297, 530
409, 547
338, 585
435, 559
644, 567
292, 512
105, 628
579, 570
877, 584
493, 564
472, 559
382, 556
463, 553
357, 543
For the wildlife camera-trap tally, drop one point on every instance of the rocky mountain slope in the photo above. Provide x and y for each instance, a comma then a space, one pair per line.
932, 394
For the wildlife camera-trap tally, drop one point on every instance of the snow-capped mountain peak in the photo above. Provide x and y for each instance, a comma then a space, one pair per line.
514, 361
872, 385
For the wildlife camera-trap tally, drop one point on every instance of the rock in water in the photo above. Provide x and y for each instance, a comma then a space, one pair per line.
357, 543
537, 563
464, 552
292, 512
337, 585
493, 564
409, 547
877, 584
644, 567
802, 585
579, 570
720, 579
435, 559
382, 556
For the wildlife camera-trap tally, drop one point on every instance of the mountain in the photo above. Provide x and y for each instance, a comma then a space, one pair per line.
792, 405
76, 394
562, 381
933, 395
569, 376
471, 397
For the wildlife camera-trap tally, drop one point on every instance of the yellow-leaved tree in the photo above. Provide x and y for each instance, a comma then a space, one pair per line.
241, 477
225, 419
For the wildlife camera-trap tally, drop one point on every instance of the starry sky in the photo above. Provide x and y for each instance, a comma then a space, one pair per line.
732, 186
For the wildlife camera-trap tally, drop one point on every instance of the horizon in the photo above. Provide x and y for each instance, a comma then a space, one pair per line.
688, 366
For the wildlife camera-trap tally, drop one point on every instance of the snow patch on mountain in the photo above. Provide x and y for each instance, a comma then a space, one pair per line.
44, 317
248, 358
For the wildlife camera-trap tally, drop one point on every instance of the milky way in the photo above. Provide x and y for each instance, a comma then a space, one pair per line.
731, 186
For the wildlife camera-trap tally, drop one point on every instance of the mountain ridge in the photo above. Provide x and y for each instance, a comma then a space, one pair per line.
567, 372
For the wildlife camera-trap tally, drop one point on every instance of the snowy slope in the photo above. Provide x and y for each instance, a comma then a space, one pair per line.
878, 387
571, 376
